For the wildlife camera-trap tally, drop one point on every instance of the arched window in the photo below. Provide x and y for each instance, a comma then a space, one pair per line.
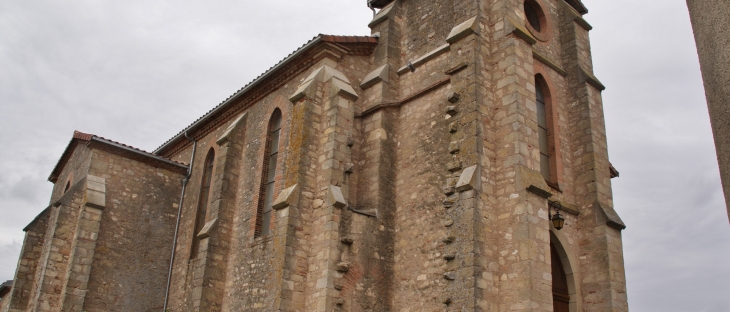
268, 177
202, 201
542, 129
68, 185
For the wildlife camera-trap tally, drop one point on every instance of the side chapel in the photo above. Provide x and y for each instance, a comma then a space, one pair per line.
422, 168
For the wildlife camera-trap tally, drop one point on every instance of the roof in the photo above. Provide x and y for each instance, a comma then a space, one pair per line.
93, 141
578, 6
277, 75
5, 288
379, 4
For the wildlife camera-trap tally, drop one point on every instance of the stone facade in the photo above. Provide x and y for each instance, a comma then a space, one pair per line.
710, 25
407, 179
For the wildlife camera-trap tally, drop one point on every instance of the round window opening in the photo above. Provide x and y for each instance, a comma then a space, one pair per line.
536, 22
533, 15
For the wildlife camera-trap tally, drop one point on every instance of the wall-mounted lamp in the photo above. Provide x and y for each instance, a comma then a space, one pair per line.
557, 219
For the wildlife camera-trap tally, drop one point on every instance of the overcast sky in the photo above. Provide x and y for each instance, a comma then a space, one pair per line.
140, 71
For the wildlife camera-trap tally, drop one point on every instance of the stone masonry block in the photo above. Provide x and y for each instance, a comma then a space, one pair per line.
532, 180
96, 183
452, 96
95, 192
205, 232
378, 75
450, 201
450, 186
226, 135
454, 127
454, 165
514, 28
468, 179
305, 90
450, 276
342, 88
462, 30
451, 110
382, 15
454, 147
335, 197
286, 198
425, 58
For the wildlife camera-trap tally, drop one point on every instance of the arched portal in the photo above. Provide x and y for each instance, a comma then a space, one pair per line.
561, 295
566, 292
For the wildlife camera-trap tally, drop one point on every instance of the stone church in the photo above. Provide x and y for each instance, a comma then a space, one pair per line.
453, 160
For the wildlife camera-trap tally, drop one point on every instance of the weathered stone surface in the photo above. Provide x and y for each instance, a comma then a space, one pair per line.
452, 96
205, 232
378, 75
533, 181
454, 165
450, 276
462, 30
241, 120
712, 36
425, 58
286, 198
468, 179
451, 110
335, 198
448, 239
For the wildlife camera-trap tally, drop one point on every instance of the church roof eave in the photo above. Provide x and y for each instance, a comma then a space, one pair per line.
345, 41
114, 147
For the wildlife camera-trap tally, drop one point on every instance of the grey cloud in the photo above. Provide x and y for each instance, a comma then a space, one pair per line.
139, 71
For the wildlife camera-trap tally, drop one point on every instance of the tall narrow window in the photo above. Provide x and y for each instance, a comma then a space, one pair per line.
202, 201
268, 177
542, 131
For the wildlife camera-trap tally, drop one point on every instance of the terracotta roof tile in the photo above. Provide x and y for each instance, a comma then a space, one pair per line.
86, 138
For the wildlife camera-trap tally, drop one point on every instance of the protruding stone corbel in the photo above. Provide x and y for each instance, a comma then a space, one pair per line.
514, 28
585, 77
468, 179
462, 30
205, 232
308, 88
382, 15
378, 75
543, 59
573, 16
532, 181
335, 198
612, 218
286, 198
343, 88
227, 135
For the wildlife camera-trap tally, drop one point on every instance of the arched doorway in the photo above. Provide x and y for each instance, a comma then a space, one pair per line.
561, 294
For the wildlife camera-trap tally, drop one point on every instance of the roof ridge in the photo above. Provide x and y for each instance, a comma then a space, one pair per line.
322, 37
87, 138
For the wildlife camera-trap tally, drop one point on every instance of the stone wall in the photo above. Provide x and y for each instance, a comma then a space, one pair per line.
710, 25
132, 254
407, 180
